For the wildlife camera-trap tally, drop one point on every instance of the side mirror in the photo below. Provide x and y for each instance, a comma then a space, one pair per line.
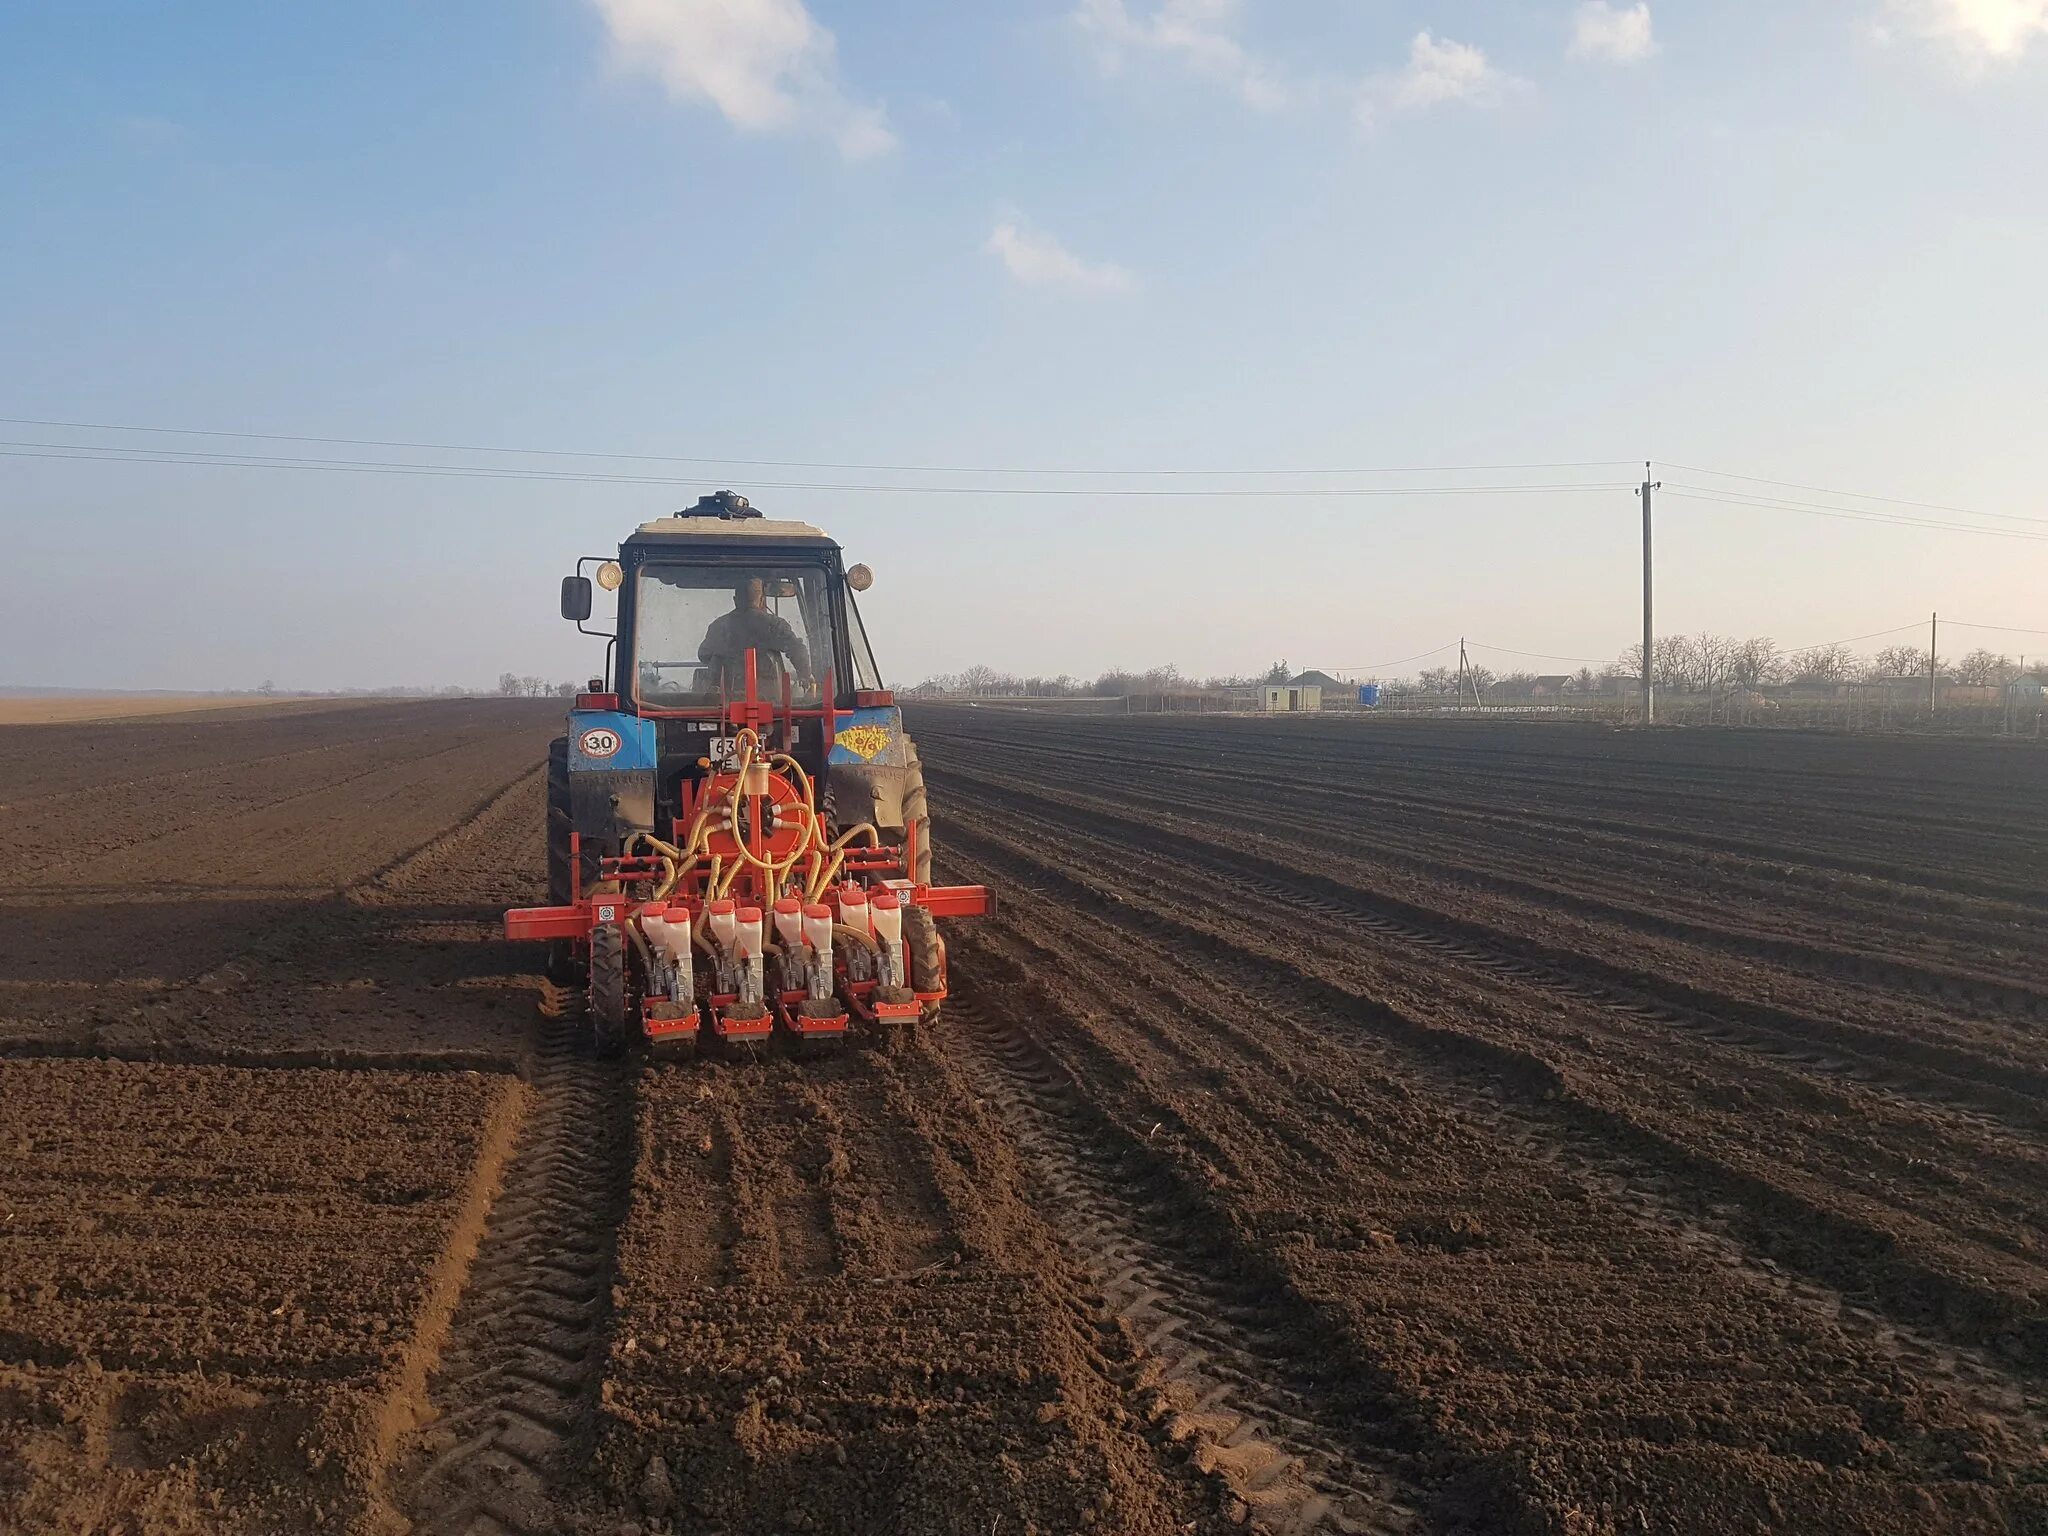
576, 598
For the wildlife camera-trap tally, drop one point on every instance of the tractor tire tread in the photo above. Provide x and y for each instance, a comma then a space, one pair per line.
926, 952
607, 992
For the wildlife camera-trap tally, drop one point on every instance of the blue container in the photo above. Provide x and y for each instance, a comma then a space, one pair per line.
1369, 695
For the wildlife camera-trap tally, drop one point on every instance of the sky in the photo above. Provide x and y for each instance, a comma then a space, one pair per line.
1246, 242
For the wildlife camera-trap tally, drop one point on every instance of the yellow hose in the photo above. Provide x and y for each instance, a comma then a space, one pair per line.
825, 860
837, 853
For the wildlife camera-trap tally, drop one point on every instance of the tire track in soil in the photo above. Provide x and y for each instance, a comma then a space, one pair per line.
1953, 1081
1296, 1472
1969, 1380
1529, 834
1967, 1340
515, 1390
1876, 965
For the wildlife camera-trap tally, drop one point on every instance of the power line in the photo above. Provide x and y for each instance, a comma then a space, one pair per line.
667, 458
1380, 666
1927, 506
1591, 661
1846, 514
112, 455
2002, 629
1875, 634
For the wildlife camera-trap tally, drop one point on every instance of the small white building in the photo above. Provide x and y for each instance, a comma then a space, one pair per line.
1290, 698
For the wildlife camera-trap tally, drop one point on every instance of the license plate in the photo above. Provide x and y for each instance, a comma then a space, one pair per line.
724, 753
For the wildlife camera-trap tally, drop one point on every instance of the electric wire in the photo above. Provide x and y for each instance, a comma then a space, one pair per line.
1379, 666
1591, 661
1875, 634
2002, 629
1896, 501
36, 450
1686, 492
668, 458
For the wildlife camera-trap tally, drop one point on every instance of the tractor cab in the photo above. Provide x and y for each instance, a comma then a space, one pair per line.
741, 756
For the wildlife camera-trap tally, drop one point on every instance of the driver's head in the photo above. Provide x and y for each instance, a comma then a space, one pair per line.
749, 594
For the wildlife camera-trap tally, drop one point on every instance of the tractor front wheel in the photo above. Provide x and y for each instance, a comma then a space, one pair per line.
607, 991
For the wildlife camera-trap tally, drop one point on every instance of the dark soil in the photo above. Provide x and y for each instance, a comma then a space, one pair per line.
1635, 1227
210, 1284
1346, 1126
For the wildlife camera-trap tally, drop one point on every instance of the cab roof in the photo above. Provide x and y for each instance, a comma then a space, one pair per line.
728, 530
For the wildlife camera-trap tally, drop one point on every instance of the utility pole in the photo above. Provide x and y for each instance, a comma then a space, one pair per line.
1933, 639
1649, 644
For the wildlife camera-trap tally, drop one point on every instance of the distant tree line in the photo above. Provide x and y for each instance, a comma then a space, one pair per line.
1116, 683
1698, 663
1705, 662
514, 686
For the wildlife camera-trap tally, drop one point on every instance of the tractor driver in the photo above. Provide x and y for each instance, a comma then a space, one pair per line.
750, 626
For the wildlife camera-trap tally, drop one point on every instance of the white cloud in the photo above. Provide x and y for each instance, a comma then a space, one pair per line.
1436, 72
1196, 34
1979, 29
1037, 260
1612, 34
766, 64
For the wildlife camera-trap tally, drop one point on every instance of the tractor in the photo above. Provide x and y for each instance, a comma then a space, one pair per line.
739, 842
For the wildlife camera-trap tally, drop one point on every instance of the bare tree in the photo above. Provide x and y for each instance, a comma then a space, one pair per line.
1438, 679
1713, 659
1824, 664
508, 683
1756, 661
1676, 665
1982, 667
1899, 661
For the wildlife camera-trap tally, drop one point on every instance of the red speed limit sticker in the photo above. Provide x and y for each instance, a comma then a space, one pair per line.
599, 743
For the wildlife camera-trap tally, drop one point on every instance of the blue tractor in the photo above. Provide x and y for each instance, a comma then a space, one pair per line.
739, 840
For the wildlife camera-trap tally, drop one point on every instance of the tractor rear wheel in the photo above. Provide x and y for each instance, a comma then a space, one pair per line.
917, 813
607, 989
926, 952
564, 969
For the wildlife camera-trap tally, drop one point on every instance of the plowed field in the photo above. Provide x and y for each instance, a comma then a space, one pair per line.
1344, 1126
